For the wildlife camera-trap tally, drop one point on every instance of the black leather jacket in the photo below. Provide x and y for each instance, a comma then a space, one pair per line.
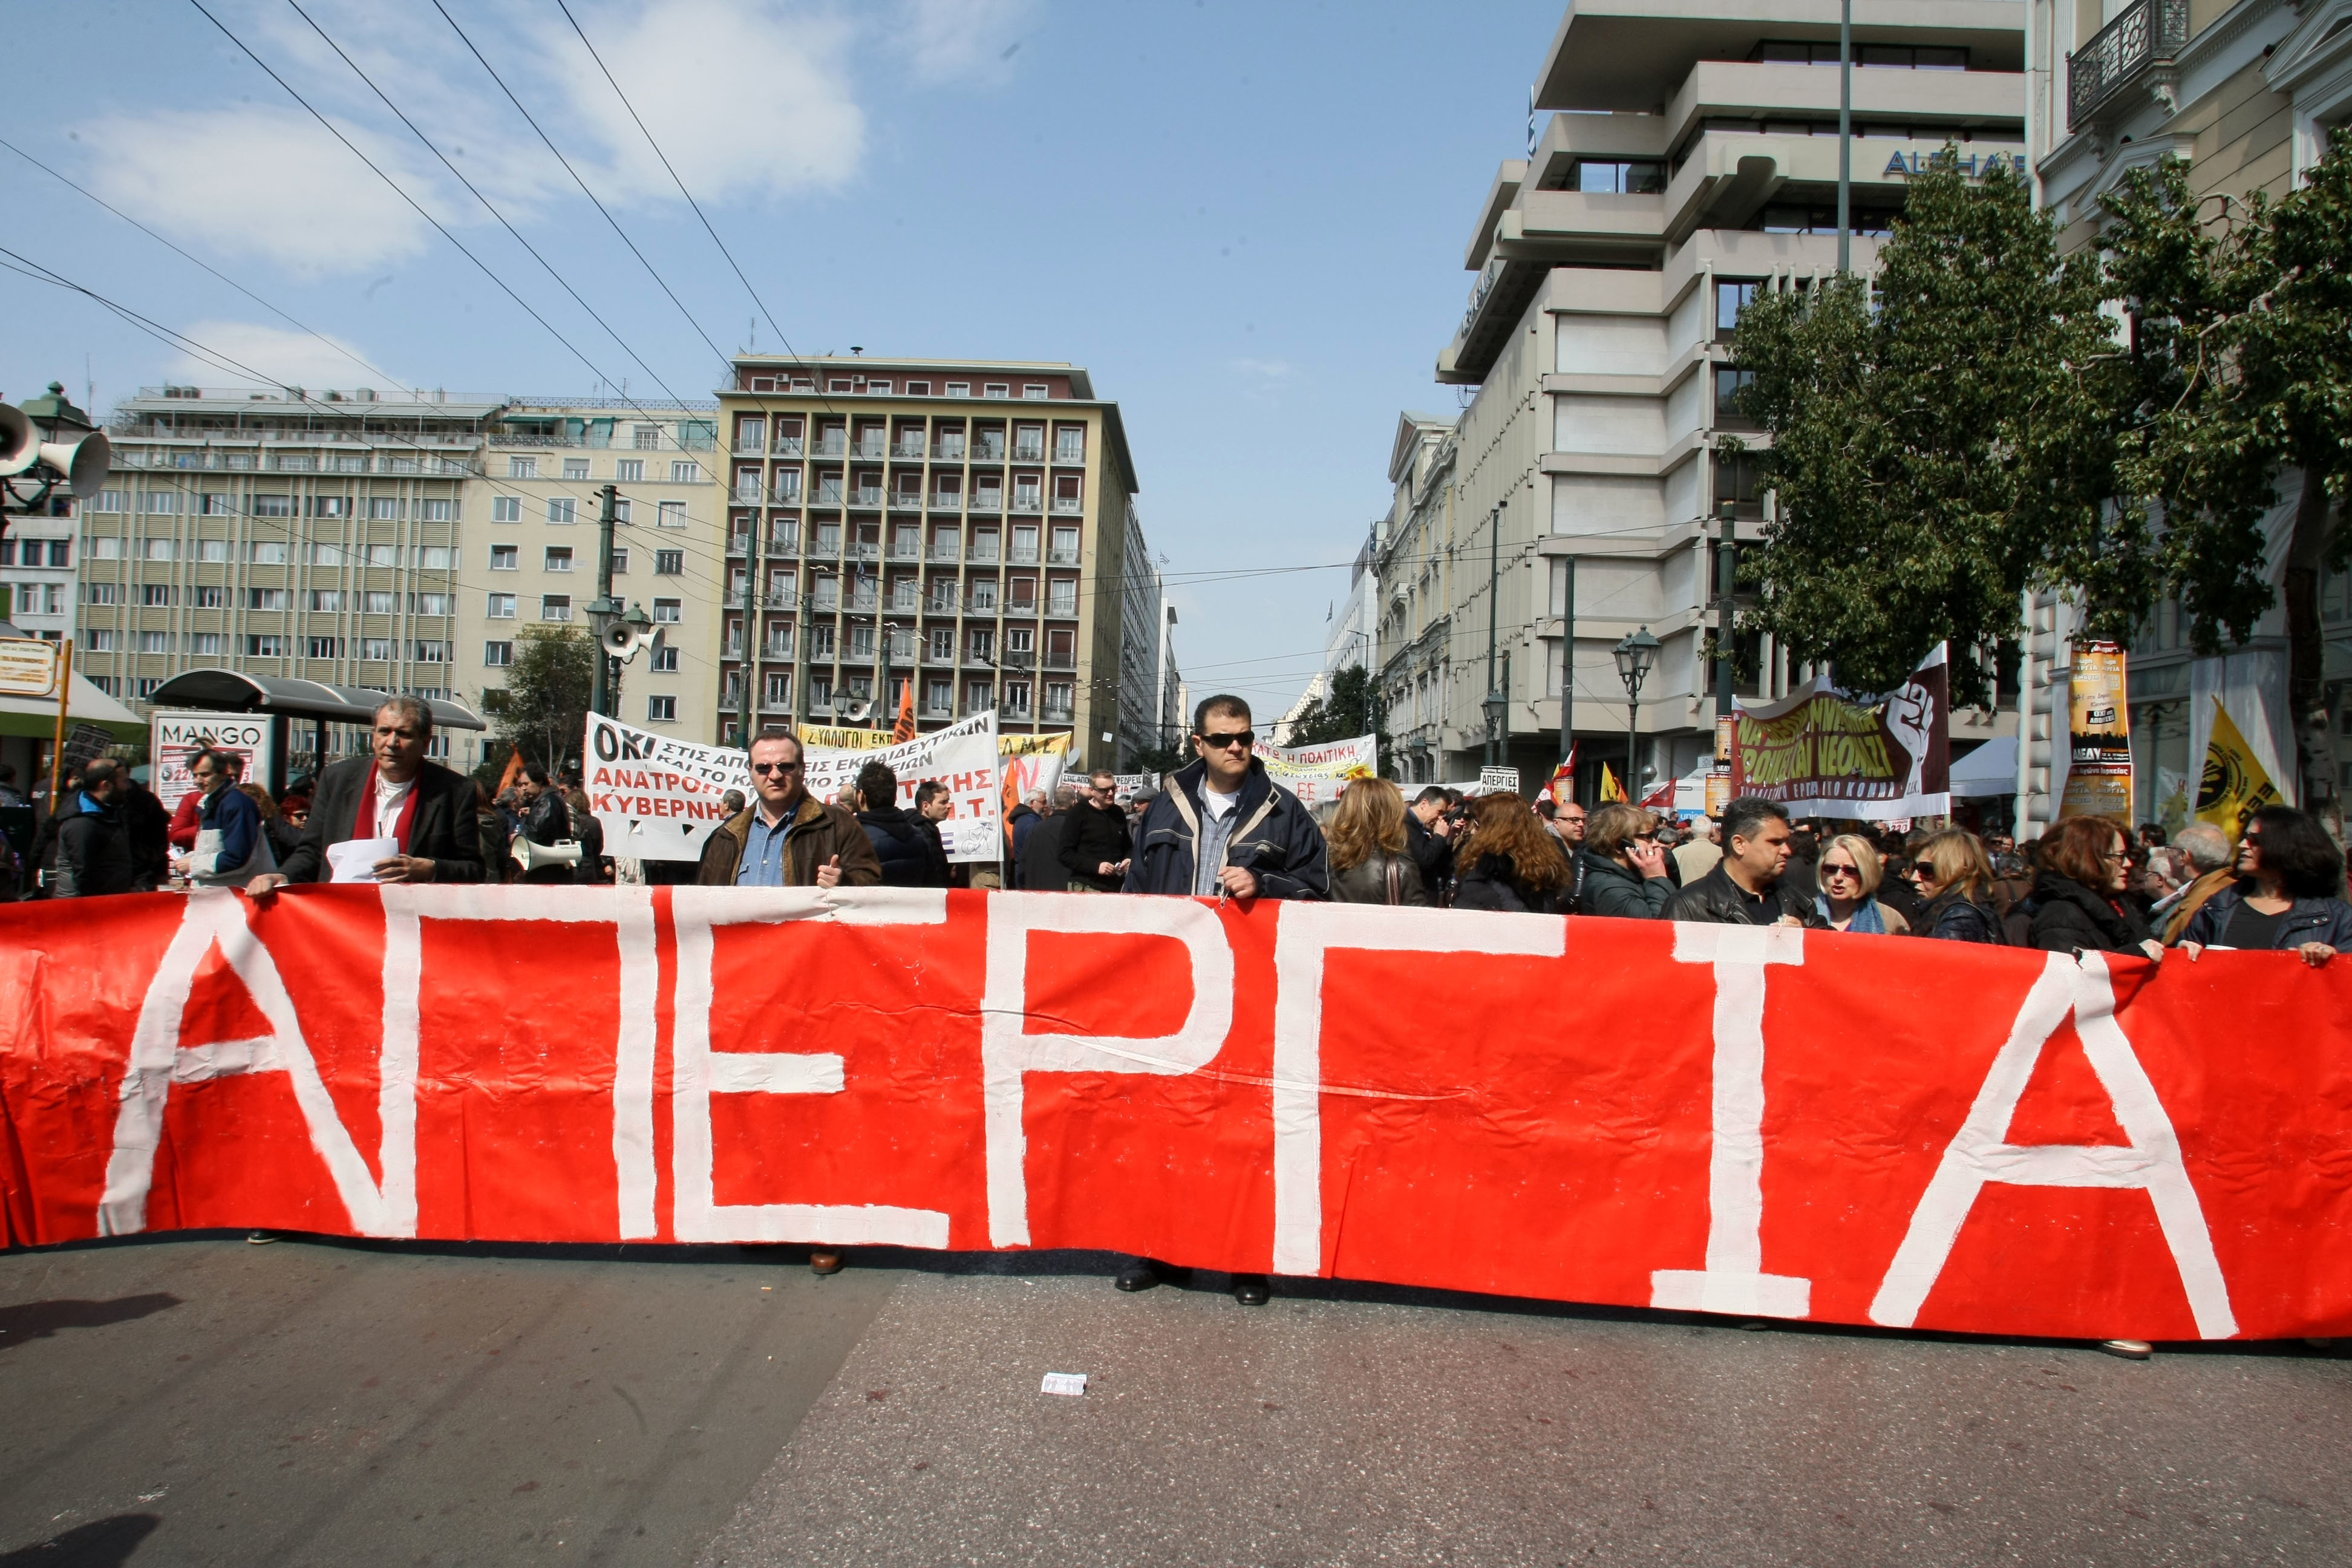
1716, 899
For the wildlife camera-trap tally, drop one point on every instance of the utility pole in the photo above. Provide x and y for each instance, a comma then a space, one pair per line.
1727, 582
1845, 137
1494, 699
751, 629
1568, 673
601, 688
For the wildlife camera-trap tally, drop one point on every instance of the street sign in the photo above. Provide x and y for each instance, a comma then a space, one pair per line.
28, 668
1498, 781
177, 733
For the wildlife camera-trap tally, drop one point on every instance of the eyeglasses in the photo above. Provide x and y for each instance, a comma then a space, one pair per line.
1853, 871
764, 769
2117, 855
1244, 740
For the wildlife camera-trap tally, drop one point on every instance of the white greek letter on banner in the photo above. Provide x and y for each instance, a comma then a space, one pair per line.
1007, 1052
1734, 1281
1980, 1152
698, 1072
1307, 932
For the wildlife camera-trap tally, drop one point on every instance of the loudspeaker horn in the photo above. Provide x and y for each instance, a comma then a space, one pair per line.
20, 448
530, 856
83, 461
621, 639
858, 713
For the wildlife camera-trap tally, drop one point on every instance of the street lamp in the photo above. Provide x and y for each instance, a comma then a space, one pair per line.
1498, 713
1635, 656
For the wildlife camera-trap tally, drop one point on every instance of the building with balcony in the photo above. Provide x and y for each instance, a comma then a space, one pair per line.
290, 533
2246, 92
1691, 161
966, 528
531, 540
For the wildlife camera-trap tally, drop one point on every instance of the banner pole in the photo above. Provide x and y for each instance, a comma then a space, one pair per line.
65, 698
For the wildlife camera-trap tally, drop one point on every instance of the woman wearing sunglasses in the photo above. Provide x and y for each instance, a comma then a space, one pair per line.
1624, 868
1849, 873
1954, 876
2289, 897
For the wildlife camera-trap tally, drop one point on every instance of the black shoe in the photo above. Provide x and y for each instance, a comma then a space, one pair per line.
824, 1260
1138, 1274
1250, 1290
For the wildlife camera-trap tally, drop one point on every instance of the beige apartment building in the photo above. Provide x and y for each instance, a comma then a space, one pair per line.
1691, 161
288, 533
2246, 92
532, 540
967, 527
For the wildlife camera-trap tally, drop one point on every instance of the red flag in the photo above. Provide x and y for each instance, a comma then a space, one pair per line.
904, 729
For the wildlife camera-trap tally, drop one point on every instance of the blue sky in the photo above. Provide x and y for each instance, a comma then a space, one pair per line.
1246, 220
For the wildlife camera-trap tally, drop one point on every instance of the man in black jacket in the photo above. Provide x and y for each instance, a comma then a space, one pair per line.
1428, 840
397, 792
910, 852
1094, 839
1745, 888
93, 847
1038, 856
1223, 827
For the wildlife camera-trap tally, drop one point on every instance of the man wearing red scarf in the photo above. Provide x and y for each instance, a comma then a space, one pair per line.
397, 792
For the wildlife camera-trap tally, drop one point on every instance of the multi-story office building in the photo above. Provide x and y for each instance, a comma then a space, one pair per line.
532, 536
1413, 599
967, 527
1693, 162
281, 533
2246, 93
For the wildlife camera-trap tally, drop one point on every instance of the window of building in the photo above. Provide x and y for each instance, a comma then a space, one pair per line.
429, 652
99, 640
1035, 389
100, 593
620, 563
327, 600
557, 560
209, 596
1881, 57
505, 508
206, 645
669, 611
661, 710
269, 553
265, 647
497, 655
563, 509
380, 603
148, 686
1738, 482
1732, 295
502, 607
918, 389
331, 506
1728, 381
162, 503
376, 649
629, 470
665, 660
154, 641
522, 468
161, 550
555, 606
1616, 177
686, 473
669, 563
429, 558
1792, 219
995, 389
273, 506
326, 555
671, 514
646, 437
108, 501
323, 648
575, 468
216, 503
504, 557
1062, 596
384, 509
216, 550
155, 596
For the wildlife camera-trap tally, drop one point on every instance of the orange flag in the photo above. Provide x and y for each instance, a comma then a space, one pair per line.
904, 729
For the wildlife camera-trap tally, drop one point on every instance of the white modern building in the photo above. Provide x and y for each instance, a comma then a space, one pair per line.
1690, 161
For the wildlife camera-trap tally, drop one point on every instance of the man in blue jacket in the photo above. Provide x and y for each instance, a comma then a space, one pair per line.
1221, 827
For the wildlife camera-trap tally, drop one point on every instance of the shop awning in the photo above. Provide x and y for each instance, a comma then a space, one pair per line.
233, 691
37, 716
1989, 770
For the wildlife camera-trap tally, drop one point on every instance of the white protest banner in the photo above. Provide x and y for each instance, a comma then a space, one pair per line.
961, 756
657, 797
1317, 773
1030, 764
1498, 781
1131, 785
175, 735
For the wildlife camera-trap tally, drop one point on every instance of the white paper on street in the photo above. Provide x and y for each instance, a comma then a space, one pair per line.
353, 860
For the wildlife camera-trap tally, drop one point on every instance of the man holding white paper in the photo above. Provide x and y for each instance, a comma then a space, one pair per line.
394, 816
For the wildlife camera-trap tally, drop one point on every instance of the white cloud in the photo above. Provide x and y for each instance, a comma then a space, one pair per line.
964, 40
283, 356
744, 99
262, 181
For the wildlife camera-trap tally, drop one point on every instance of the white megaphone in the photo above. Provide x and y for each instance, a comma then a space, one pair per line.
530, 856
621, 639
84, 461
858, 713
20, 448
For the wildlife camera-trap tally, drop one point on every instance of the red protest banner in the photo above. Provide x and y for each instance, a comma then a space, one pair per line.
1766, 1122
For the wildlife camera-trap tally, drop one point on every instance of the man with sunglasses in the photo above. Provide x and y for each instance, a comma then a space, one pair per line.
1222, 828
788, 839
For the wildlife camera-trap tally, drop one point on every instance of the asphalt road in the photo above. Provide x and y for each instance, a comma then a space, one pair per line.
204, 1401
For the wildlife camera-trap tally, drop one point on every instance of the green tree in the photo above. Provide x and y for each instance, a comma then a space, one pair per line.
1938, 447
2248, 314
542, 709
1350, 708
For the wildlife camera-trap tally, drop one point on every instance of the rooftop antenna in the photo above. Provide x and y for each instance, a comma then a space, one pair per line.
755, 334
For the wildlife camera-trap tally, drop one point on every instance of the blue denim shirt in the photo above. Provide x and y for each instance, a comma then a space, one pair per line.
762, 865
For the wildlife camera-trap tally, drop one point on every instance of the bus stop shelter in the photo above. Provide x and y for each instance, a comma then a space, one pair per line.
285, 699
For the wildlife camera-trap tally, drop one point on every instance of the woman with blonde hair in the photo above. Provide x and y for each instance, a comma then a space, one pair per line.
1850, 873
1366, 840
1624, 868
1954, 875
1509, 859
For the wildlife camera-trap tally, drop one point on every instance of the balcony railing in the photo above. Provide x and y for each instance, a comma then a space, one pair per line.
947, 500
988, 501
906, 501
832, 446
1058, 556
790, 446
907, 451
828, 495
872, 451
1069, 504
989, 452
948, 452
2121, 53
866, 496
1023, 555
1028, 501
1028, 453
1069, 454
1016, 710
1057, 712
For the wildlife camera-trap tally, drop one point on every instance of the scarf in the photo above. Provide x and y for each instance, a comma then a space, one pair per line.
363, 819
1867, 918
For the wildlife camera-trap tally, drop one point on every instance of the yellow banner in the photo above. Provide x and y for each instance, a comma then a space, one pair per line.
2234, 785
844, 737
